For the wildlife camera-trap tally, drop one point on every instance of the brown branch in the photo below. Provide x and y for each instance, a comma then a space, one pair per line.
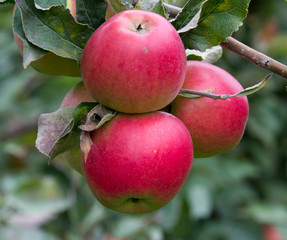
254, 56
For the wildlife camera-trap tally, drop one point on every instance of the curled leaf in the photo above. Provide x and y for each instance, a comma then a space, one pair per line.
210, 55
97, 117
255, 88
85, 144
58, 131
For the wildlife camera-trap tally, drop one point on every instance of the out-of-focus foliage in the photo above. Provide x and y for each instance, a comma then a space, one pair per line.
232, 196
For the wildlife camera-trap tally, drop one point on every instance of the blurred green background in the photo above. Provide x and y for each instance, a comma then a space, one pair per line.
239, 195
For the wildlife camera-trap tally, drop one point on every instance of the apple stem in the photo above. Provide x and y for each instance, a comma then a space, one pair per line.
139, 28
242, 50
250, 90
208, 94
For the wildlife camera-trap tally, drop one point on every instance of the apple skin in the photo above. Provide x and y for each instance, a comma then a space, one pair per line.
134, 63
50, 63
138, 162
270, 232
216, 126
74, 97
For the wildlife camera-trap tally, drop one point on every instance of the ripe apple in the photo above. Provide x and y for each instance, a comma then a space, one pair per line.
138, 162
51, 63
135, 62
270, 232
215, 126
74, 97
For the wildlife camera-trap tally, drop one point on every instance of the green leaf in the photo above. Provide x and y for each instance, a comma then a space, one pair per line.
30, 51
195, 57
152, 6
47, 4
118, 5
218, 20
91, 12
54, 30
58, 131
187, 18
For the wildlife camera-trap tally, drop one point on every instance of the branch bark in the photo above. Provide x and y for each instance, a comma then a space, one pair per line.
255, 57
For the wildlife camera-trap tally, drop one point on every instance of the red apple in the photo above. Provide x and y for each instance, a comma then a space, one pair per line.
215, 126
138, 162
51, 63
74, 97
270, 232
135, 62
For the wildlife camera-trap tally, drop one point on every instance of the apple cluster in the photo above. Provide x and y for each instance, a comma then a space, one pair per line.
135, 64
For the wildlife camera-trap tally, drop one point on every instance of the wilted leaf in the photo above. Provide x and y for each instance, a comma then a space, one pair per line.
85, 144
91, 12
218, 20
58, 131
52, 127
97, 117
54, 30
